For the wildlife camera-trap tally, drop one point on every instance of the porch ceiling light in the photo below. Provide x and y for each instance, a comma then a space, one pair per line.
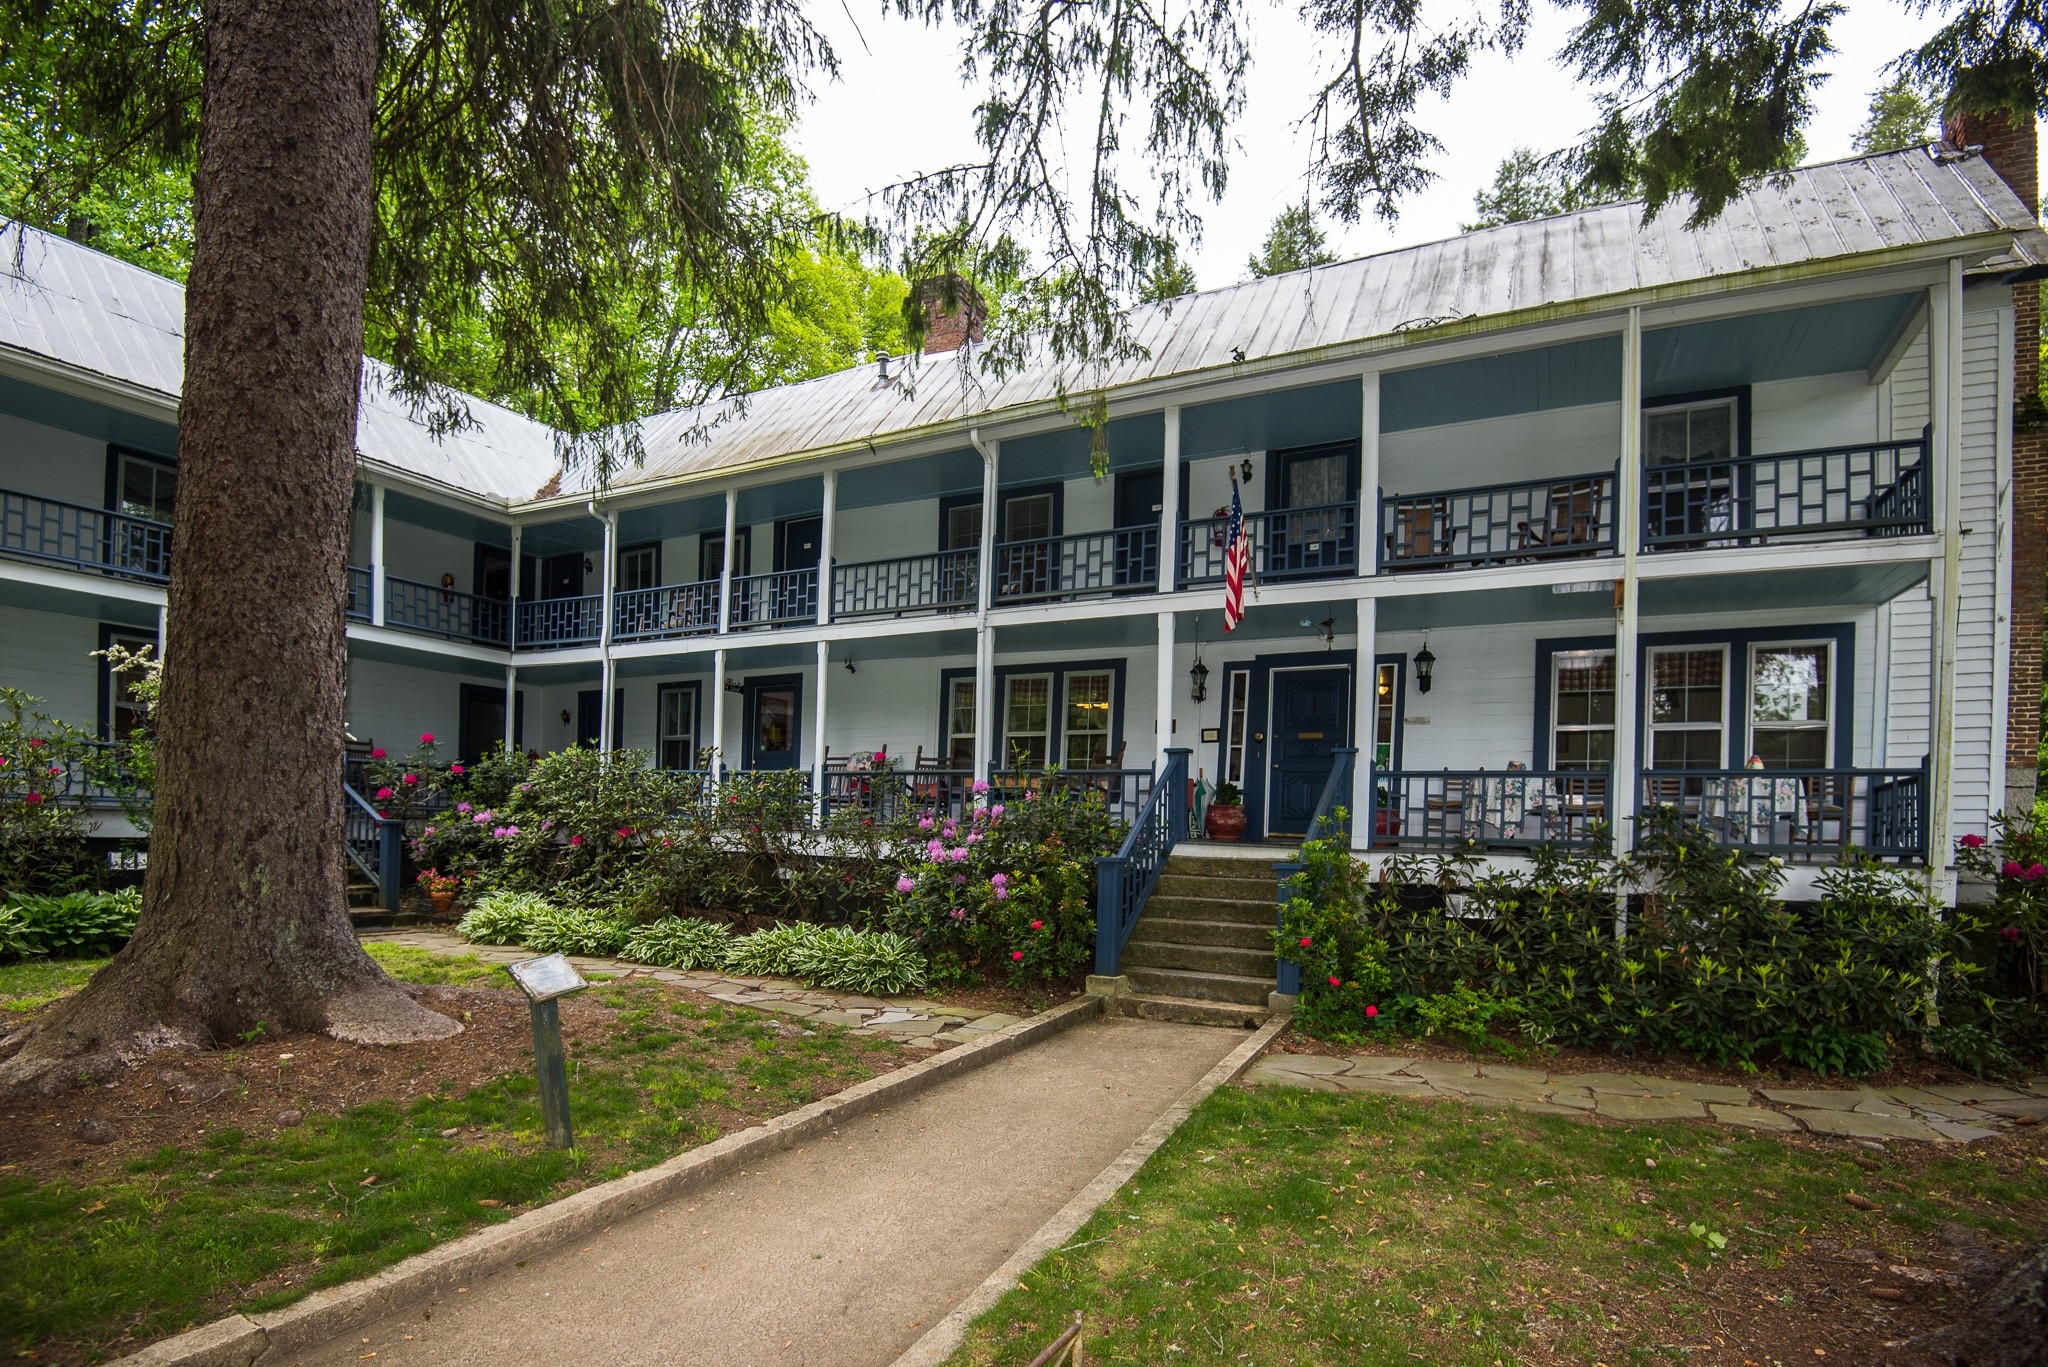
1198, 681
1425, 667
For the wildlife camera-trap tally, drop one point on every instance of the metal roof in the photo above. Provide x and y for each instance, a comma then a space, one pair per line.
86, 310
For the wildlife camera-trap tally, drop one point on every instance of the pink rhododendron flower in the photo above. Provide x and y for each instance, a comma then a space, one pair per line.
1001, 880
377, 753
959, 880
2011, 935
481, 818
412, 780
1031, 797
2035, 872
1038, 925
464, 808
427, 834
456, 771
980, 786
934, 851
36, 742
906, 883
2013, 870
960, 855
34, 799
1334, 981
426, 738
924, 823
625, 832
1371, 1012
958, 914
1304, 942
1002, 894
575, 840
55, 770
995, 811
1972, 841
385, 795
1016, 956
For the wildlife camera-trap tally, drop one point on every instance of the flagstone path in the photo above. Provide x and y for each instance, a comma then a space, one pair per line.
1956, 1113
912, 1021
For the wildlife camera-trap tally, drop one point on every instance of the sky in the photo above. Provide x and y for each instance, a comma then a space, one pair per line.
899, 107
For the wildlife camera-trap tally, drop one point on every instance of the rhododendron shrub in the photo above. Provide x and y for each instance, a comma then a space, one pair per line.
46, 767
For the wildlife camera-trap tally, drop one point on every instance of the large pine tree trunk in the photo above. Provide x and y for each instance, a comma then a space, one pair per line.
244, 917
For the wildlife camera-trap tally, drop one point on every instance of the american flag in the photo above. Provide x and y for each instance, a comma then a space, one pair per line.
1237, 559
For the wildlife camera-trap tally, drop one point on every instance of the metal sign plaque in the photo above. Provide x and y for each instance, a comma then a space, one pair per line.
547, 978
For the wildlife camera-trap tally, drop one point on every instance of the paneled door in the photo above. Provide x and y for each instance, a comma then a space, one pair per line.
1310, 717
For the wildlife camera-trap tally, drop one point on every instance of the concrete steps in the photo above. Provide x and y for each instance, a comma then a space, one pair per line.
1188, 1011
1203, 949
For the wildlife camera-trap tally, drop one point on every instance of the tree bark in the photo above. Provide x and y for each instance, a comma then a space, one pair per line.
244, 918
2007, 1328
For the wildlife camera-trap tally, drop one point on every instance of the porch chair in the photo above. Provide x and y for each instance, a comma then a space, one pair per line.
1572, 519
1421, 532
1582, 802
1824, 822
1443, 812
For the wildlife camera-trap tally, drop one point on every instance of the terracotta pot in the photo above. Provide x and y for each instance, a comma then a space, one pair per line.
1224, 823
444, 902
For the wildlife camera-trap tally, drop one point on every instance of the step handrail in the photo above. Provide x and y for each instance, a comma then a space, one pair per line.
1124, 880
375, 843
1287, 973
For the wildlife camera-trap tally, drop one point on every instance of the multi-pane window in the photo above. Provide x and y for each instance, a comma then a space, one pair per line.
148, 488
1582, 709
1027, 720
960, 724
126, 712
1789, 715
677, 718
639, 568
1688, 707
1385, 680
1238, 701
1087, 728
1680, 433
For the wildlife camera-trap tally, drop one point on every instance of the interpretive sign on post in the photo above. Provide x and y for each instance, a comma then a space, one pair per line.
544, 981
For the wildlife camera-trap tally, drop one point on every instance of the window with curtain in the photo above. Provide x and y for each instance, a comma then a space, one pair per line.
1582, 709
960, 724
1027, 720
1086, 740
1688, 706
1790, 719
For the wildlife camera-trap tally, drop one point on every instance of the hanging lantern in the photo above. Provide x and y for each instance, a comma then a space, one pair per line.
1425, 667
1198, 681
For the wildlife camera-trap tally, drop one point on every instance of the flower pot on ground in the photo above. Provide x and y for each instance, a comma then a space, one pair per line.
1224, 821
444, 902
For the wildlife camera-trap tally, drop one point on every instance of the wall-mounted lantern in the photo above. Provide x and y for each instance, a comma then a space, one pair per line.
1198, 680
1425, 667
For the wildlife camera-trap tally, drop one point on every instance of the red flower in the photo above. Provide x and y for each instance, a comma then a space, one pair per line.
426, 738
1371, 1012
575, 840
385, 795
2035, 872
1017, 955
412, 780
456, 770
1972, 841
36, 742
2011, 935
56, 769
625, 832
1304, 942
34, 799
1334, 981
2013, 870
1038, 925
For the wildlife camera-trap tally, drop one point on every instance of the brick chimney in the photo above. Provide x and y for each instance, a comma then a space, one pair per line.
953, 310
2011, 147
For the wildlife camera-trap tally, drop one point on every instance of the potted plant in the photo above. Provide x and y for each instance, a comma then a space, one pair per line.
440, 888
1225, 818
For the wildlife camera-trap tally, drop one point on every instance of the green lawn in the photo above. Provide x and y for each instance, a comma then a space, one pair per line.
37, 982
1287, 1226
253, 1221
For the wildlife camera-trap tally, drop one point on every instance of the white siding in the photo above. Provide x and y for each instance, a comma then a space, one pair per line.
52, 463
1819, 410
391, 704
1911, 701
424, 555
49, 657
1978, 786
1561, 441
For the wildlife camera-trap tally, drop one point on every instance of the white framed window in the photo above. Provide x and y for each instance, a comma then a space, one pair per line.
1085, 739
126, 710
677, 718
1677, 434
1791, 710
1386, 682
1027, 720
1239, 700
639, 568
1688, 707
148, 488
960, 723
1582, 709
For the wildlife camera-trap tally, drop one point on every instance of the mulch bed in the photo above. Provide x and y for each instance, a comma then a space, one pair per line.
273, 1081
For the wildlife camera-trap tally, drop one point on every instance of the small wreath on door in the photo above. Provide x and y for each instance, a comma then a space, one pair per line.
1222, 532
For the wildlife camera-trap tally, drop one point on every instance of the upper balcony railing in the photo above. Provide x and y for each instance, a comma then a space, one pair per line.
361, 587
665, 613
1122, 560
1880, 489
85, 538
760, 600
1496, 524
560, 621
1287, 543
941, 582
451, 613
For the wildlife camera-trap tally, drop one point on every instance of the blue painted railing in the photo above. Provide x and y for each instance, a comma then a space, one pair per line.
1287, 543
1124, 880
1876, 489
939, 582
361, 585
560, 621
1494, 808
1802, 815
669, 611
1324, 825
444, 612
760, 600
1049, 567
73, 534
375, 844
1565, 515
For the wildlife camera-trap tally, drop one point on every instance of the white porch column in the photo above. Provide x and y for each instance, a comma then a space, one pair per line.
732, 521
1364, 731
512, 593
608, 674
1169, 679
825, 521
984, 699
1169, 508
818, 727
717, 746
1945, 398
985, 758
377, 554
511, 706
1624, 783
1368, 492
991, 454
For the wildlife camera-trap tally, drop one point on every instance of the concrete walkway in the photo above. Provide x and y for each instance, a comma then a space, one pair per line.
1965, 1112
912, 1021
840, 1253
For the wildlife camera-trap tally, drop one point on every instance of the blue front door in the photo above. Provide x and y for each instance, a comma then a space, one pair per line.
1311, 709
774, 719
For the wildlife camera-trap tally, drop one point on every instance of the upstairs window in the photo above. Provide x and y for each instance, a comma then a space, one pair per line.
1677, 434
148, 488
